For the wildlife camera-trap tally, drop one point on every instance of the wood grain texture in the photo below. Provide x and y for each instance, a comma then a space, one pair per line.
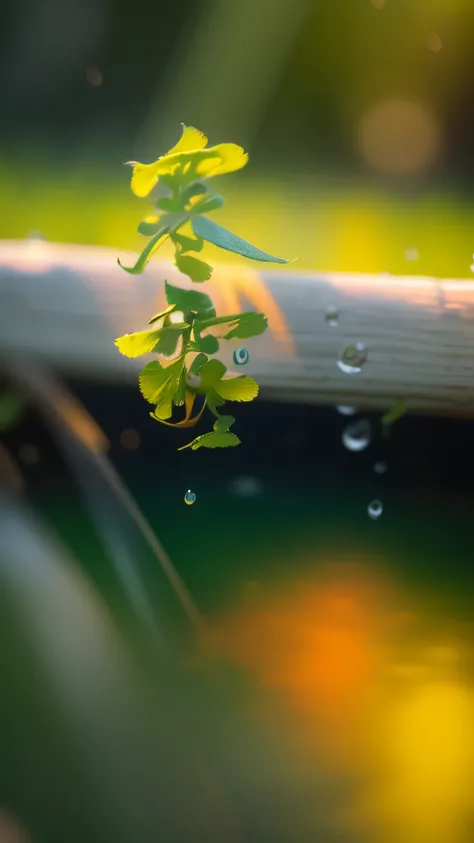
66, 304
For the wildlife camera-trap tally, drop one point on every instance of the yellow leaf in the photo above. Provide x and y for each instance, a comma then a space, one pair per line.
228, 157
190, 140
237, 389
144, 178
134, 345
190, 154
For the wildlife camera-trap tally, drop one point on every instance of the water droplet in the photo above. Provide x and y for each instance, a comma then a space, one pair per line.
193, 380
241, 356
375, 509
412, 254
36, 236
332, 316
28, 454
189, 497
346, 410
353, 358
380, 467
357, 435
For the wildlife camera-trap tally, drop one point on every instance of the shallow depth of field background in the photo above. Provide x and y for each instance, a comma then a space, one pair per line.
349, 643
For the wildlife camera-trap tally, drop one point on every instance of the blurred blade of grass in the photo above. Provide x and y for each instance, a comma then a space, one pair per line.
327, 227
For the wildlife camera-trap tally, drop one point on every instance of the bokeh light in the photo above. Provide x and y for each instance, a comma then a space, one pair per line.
399, 137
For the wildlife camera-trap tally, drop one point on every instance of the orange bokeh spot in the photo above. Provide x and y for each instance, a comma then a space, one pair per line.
319, 645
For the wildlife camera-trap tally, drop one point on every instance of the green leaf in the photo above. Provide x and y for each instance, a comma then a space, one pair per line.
164, 407
11, 409
211, 374
187, 299
207, 204
215, 439
197, 364
213, 401
223, 423
241, 325
169, 339
162, 314
248, 325
152, 246
208, 344
148, 229
196, 188
168, 224
197, 270
188, 244
153, 377
213, 233
170, 180
179, 396
240, 388
166, 203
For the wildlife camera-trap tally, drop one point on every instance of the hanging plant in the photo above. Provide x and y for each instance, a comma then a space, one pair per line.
191, 374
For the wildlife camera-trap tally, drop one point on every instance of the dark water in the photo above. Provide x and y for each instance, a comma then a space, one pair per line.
243, 558
311, 498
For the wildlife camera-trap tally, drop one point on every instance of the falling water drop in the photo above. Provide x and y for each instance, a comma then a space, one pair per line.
375, 509
344, 410
356, 436
380, 467
189, 497
412, 254
353, 358
332, 316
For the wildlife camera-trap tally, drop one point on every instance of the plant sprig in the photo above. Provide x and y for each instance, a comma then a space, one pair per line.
181, 333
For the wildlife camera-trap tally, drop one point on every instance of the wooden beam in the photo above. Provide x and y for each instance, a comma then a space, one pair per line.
65, 304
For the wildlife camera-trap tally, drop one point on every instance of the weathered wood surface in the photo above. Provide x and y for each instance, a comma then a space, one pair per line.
65, 304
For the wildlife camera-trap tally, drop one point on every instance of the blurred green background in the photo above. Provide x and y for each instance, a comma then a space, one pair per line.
355, 113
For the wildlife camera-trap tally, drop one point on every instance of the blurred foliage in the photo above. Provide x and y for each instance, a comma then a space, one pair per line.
73, 109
